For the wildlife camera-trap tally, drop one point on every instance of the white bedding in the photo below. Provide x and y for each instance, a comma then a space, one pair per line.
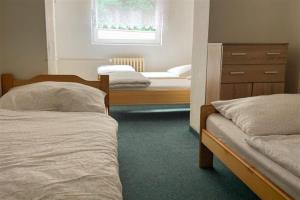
263, 115
107, 69
128, 80
282, 149
164, 75
56, 155
164, 84
231, 135
54, 96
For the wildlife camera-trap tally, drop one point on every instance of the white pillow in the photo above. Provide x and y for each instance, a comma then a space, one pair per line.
264, 115
181, 71
54, 96
106, 69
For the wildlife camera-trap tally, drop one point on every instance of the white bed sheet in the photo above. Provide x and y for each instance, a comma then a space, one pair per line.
164, 84
154, 75
128, 80
55, 155
232, 136
282, 149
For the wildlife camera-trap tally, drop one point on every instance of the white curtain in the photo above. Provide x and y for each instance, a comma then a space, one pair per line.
133, 15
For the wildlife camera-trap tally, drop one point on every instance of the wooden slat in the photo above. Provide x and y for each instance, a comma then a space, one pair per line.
148, 97
234, 91
267, 88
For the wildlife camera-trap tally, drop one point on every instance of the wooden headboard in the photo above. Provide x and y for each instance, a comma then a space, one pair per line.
8, 82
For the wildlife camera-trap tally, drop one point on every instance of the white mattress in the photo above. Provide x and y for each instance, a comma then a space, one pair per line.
55, 155
232, 136
164, 75
164, 84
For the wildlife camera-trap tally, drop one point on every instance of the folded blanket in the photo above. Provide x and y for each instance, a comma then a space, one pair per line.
128, 80
282, 149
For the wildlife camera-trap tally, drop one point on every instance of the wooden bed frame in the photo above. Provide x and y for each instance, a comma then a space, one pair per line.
8, 82
210, 146
150, 97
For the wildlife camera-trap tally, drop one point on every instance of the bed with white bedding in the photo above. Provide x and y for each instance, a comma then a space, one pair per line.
258, 138
57, 140
161, 84
136, 80
229, 134
182, 71
58, 155
135, 88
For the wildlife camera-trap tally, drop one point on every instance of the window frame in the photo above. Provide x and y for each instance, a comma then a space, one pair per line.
98, 41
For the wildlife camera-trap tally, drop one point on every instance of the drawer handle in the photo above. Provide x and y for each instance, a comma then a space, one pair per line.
273, 53
271, 72
238, 54
237, 73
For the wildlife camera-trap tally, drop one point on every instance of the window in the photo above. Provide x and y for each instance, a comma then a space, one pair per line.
127, 22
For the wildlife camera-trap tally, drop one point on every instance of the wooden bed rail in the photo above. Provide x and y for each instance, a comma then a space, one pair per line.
205, 155
8, 82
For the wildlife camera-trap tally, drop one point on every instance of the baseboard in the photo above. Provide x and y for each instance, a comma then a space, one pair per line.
192, 130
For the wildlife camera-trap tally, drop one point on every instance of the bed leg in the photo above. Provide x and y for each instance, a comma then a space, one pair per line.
205, 157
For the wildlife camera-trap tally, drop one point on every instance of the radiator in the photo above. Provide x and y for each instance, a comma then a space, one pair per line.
137, 63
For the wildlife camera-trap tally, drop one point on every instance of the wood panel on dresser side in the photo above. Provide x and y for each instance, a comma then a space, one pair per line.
268, 88
234, 91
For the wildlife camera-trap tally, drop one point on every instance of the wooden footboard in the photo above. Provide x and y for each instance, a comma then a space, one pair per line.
150, 97
256, 181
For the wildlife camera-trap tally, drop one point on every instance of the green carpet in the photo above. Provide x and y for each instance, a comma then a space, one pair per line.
158, 158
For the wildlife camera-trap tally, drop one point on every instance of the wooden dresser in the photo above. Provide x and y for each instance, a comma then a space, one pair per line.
243, 70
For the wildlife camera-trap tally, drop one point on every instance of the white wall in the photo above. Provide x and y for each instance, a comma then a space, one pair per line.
249, 21
201, 24
78, 56
51, 36
25, 37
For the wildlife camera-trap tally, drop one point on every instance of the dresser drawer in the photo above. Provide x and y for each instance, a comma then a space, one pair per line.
255, 54
253, 73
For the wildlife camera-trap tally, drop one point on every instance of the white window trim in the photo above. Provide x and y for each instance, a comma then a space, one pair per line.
96, 41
